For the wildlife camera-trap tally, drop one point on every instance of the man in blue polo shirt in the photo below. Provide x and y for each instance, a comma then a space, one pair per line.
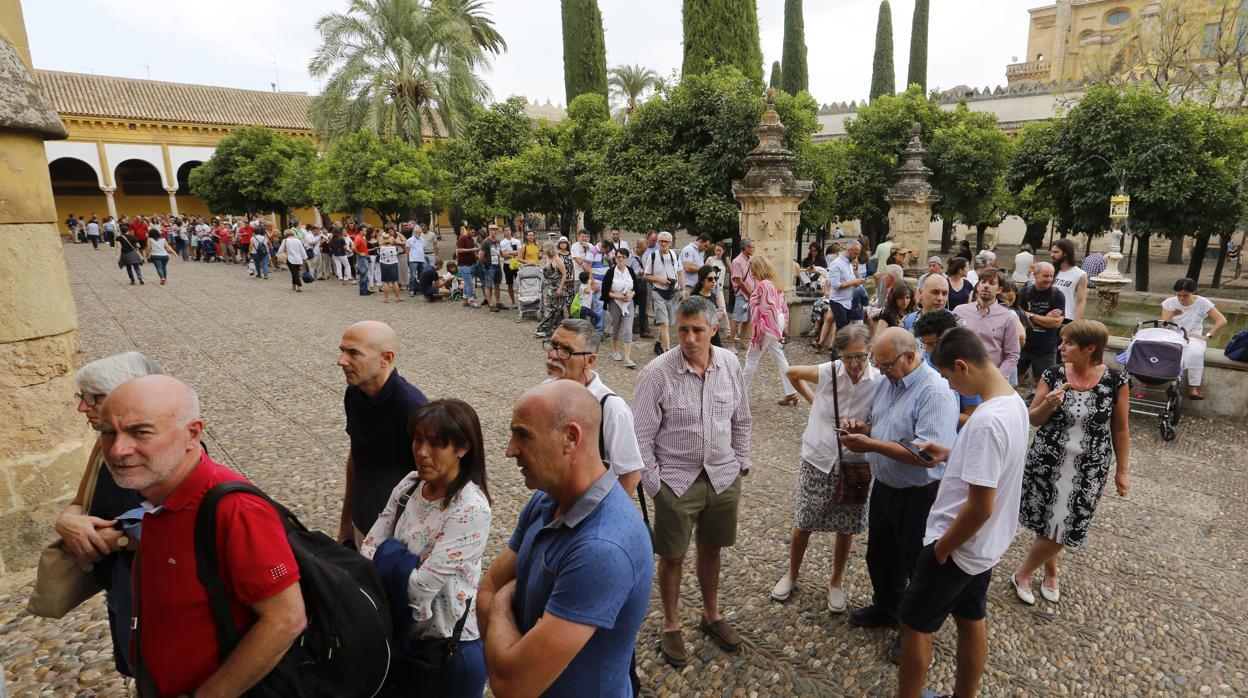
915, 403
377, 402
560, 607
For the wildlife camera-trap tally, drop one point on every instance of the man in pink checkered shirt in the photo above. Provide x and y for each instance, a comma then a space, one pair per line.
692, 420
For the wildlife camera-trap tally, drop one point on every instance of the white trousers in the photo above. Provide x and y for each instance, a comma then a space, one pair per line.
1194, 361
775, 348
342, 268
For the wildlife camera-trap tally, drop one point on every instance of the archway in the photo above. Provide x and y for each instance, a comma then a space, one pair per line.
138, 178
73, 177
184, 176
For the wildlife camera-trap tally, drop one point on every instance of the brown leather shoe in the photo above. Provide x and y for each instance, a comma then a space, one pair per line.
722, 633
672, 647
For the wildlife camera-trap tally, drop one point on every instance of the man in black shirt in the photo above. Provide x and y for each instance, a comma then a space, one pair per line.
377, 402
1044, 308
430, 283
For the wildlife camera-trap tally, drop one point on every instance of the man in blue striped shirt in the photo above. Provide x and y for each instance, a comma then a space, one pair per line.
915, 403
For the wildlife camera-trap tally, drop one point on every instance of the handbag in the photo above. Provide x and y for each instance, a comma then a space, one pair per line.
853, 481
307, 276
61, 584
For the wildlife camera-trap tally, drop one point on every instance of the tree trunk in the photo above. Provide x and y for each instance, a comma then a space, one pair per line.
284, 217
1141, 262
1034, 235
946, 235
1175, 255
1197, 261
1087, 246
980, 229
1223, 241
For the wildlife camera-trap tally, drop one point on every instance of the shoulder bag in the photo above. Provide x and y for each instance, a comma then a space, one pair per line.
61, 584
853, 482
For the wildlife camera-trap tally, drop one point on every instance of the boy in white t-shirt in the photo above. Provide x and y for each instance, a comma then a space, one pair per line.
972, 521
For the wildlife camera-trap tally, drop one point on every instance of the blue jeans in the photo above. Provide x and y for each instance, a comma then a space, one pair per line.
588, 313
262, 264
595, 302
161, 263
361, 271
468, 273
414, 270
465, 676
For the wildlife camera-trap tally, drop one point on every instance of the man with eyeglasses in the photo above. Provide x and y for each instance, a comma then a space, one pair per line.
571, 353
915, 404
928, 329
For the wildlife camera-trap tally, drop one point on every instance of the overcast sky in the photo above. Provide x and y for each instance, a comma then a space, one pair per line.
253, 43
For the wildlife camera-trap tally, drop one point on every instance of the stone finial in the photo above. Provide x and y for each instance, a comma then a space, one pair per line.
916, 129
771, 98
23, 105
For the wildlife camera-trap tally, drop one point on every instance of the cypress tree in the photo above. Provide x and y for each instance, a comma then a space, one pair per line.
918, 47
796, 75
883, 82
584, 49
777, 76
722, 32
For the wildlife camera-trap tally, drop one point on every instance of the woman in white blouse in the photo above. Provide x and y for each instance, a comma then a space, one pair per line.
445, 521
620, 286
1189, 311
822, 504
296, 255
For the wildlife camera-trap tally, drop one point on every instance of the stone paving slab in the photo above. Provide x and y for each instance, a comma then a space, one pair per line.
1153, 605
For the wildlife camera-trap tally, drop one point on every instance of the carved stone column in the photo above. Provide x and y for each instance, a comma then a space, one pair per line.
910, 203
44, 444
770, 195
112, 202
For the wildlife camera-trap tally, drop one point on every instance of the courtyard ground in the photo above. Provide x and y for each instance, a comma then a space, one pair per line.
1153, 605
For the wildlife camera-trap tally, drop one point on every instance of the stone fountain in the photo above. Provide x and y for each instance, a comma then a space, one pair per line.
1110, 282
770, 197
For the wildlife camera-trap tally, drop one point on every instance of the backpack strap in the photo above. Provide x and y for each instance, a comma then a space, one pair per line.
208, 566
401, 505
641, 493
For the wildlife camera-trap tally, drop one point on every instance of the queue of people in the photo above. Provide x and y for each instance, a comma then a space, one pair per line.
915, 435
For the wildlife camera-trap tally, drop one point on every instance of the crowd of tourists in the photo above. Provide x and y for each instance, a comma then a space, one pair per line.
917, 434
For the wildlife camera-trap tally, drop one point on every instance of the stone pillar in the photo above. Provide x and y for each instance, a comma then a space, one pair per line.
112, 203
770, 195
44, 445
173, 199
317, 220
910, 203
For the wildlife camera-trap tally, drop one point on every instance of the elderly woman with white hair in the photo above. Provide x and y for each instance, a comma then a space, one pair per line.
87, 523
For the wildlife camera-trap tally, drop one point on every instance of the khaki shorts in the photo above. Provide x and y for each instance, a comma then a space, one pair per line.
714, 514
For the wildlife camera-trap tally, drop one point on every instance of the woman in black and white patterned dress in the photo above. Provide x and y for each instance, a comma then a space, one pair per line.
1081, 408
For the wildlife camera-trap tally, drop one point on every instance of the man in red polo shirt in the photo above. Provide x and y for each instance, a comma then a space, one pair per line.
139, 228
150, 438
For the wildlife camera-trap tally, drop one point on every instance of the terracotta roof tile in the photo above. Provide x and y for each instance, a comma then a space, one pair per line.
126, 98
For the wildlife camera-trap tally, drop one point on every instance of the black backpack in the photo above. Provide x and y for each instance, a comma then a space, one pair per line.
344, 652
1237, 348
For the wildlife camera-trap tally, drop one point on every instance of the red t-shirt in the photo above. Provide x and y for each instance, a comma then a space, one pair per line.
139, 228
465, 259
361, 245
179, 639
244, 235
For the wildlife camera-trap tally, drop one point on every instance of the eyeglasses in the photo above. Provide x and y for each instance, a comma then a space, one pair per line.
90, 399
856, 358
561, 351
888, 365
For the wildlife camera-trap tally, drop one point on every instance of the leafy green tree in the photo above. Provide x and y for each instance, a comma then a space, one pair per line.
470, 188
722, 33
630, 84
256, 169
918, 46
883, 80
777, 76
675, 162
584, 49
402, 68
793, 55
365, 171
969, 157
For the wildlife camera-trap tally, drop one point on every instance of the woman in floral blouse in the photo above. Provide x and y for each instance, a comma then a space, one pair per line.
445, 521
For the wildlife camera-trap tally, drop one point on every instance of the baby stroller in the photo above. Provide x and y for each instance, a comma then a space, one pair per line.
1154, 361
528, 291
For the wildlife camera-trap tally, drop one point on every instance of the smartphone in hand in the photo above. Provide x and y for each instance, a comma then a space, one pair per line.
914, 450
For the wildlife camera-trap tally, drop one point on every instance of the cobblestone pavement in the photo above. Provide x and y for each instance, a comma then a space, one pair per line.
1154, 605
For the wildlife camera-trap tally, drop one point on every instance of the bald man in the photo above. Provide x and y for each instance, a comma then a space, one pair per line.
149, 434
561, 606
377, 402
1044, 308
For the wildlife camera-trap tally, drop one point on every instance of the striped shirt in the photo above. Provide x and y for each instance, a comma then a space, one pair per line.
919, 407
687, 423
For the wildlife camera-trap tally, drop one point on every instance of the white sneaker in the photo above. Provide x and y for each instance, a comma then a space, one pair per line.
836, 600
1052, 595
1024, 595
783, 589
617, 356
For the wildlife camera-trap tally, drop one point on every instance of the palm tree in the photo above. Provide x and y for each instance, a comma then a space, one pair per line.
630, 82
402, 67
